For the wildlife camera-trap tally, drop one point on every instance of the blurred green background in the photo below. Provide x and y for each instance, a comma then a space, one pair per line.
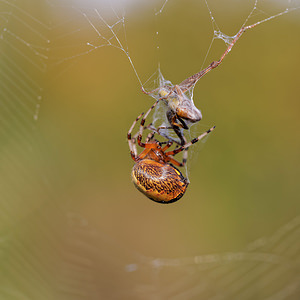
71, 219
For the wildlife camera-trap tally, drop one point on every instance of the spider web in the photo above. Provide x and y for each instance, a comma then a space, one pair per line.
75, 261
70, 228
256, 16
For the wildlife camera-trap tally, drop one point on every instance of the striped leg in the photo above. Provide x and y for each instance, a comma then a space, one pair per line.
131, 141
158, 131
144, 119
195, 140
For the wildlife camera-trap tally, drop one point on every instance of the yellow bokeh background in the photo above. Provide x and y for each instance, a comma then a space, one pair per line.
75, 159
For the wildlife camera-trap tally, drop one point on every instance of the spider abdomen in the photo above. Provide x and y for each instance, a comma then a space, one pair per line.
160, 182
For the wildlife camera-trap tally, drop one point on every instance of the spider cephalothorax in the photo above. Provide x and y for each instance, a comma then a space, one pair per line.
154, 173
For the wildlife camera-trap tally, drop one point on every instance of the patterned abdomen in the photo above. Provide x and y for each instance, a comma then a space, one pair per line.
160, 182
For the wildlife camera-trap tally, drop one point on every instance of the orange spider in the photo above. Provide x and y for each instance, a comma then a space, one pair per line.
154, 173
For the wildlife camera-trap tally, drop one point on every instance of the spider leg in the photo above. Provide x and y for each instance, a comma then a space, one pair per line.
157, 130
184, 156
145, 145
134, 143
191, 81
150, 136
168, 145
131, 141
134, 138
163, 127
174, 152
144, 153
175, 162
144, 119
183, 141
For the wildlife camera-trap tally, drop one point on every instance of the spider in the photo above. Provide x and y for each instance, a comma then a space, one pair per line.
154, 173
180, 108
